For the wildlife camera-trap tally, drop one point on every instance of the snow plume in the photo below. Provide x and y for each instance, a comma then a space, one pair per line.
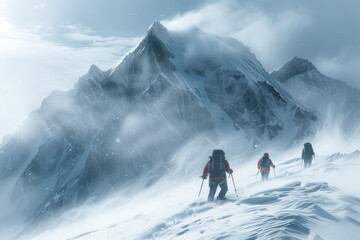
279, 30
249, 24
331, 138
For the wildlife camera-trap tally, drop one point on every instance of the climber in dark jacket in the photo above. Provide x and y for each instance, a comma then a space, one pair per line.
217, 166
307, 154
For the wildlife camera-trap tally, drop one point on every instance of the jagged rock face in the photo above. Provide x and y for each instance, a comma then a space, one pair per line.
124, 124
248, 105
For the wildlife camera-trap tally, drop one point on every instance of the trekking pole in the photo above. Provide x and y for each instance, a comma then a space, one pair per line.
201, 186
302, 161
234, 184
257, 173
315, 159
274, 172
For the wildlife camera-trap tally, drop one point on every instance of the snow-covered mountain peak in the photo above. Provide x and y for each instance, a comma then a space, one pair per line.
193, 44
94, 77
94, 73
157, 28
94, 69
294, 67
156, 32
339, 103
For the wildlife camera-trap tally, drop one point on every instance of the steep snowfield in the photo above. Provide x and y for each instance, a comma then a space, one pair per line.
322, 202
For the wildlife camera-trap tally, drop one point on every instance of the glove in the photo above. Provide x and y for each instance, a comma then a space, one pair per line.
204, 177
231, 171
274, 166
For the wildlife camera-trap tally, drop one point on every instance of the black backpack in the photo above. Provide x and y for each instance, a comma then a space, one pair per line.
265, 162
308, 151
217, 163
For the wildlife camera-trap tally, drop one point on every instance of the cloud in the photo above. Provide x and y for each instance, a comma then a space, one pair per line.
278, 31
344, 66
87, 35
78, 28
31, 67
41, 5
262, 32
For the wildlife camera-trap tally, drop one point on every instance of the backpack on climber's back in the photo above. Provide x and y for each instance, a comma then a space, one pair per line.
217, 163
308, 151
265, 162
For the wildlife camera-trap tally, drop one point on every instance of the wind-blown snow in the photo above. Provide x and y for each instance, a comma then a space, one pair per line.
141, 131
296, 204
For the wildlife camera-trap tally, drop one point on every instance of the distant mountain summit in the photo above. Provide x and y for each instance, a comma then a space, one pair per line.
294, 67
334, 99
124, 125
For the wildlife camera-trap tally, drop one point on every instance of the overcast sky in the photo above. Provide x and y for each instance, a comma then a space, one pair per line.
47, 44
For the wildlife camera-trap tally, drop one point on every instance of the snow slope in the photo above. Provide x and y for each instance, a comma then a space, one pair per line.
322, 202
